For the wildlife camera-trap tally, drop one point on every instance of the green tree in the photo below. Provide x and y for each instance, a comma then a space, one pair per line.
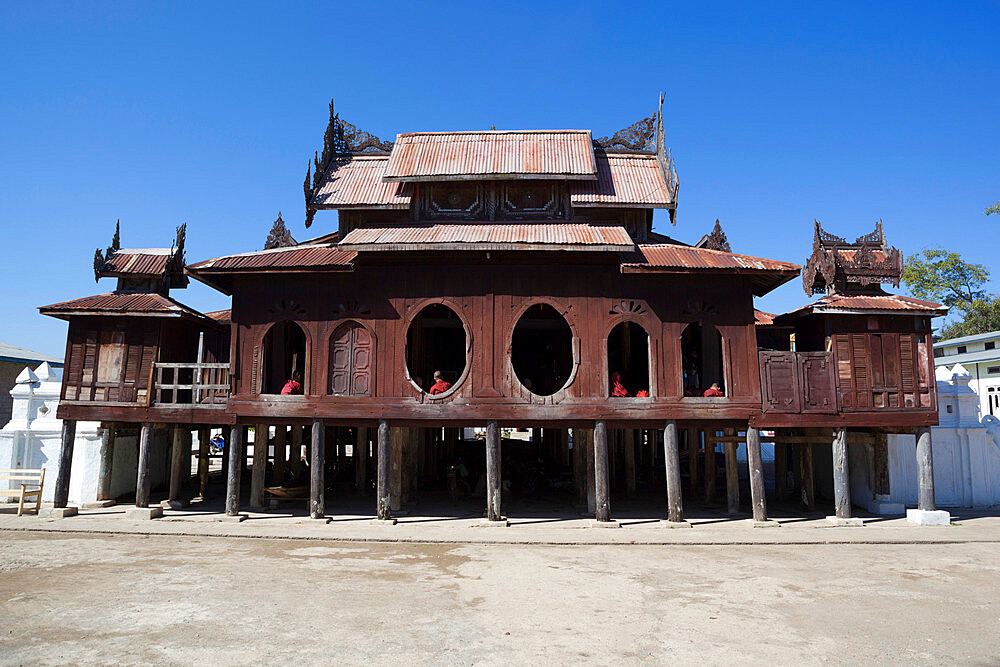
944, 276
982, 315
990, 210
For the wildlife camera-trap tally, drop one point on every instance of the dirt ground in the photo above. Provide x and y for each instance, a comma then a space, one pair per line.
223, 600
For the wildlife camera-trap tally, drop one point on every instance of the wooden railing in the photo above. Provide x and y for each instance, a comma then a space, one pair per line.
202, 385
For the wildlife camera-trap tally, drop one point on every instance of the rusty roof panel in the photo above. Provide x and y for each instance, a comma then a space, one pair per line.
663, 255
624, 180
150, 262
491, 236
291, 258
122, 303
760, 318
868, 303
431, 156
357, 182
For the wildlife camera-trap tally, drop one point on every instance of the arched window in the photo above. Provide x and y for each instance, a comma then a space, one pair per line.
541, 350
701, 356
628, 360
284, 352
435, 342
351, 352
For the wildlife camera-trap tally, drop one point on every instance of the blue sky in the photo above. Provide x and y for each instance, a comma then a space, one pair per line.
206, 113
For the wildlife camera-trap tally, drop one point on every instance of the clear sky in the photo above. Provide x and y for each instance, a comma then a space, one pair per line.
206, 113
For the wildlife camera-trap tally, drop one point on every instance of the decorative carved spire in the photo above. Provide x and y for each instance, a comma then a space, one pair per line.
716, 240
340, 138
99, 259
838, 266
279, 237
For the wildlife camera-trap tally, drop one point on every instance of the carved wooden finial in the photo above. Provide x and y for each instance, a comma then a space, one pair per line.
279, 236
838, 266
716, 240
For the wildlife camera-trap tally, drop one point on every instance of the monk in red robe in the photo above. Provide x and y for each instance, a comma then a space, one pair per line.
618, 390
293, 386
713, 391
439, 386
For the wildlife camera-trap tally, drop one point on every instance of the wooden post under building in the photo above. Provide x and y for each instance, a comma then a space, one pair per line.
382, 486
107, 461
317, 495
234, 470
672, 463
756, 466
143, 482
493, 481
68, 439
601, 493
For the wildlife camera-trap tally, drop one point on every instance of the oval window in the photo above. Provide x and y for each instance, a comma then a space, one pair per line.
541, 350
436, 349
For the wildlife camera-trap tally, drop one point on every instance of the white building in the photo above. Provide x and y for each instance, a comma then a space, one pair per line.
33, 439
979, 355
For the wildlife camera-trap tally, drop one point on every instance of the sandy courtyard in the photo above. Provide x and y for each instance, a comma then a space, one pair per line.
223, 600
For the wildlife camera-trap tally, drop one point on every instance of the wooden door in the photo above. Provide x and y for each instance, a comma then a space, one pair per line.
819, 391
779, 376
351, 353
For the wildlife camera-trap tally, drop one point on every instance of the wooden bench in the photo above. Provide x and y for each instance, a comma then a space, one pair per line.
28, 477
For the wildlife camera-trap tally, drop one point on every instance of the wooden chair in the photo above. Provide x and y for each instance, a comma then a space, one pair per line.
28, 477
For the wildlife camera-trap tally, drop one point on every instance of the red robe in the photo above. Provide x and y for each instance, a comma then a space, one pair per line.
711, 393
291, 387
618, 390
439, 387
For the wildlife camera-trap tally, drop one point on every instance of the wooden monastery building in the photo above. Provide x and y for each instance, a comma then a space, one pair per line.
502, 280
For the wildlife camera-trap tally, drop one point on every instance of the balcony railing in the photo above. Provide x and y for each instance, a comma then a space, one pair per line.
189, 384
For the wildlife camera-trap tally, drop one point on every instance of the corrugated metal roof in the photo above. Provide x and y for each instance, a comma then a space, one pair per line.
663, 255
358, 182
221, 316
291, 258
762, 319
122, 303
429, 156
893, 303
10, 352
150, 262
491, 236
624, 180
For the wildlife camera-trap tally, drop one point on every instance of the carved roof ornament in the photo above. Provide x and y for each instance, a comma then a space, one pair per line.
340, 139
279, 237
839, 266
99, 259
716, 240
647, 136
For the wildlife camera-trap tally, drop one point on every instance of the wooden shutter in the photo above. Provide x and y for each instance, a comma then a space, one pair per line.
780, 382
859, 371
361, 362
340, 360
845, 376
819, 385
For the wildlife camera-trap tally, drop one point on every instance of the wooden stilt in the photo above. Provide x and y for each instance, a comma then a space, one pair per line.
382, 486
629, 452
296, 453
143, 482
591, 493
203, 461
732, 475
694, 467
176, 462
710, 481
396, 437
61, 495
601, 491
259, 466
806, 469
493, 480
780, 470
880, 464
317, 492
361, 460
579, 466
245, 439
671, 457
756, 474
925, 471
107, 461
234, 470
280, 442
841, 475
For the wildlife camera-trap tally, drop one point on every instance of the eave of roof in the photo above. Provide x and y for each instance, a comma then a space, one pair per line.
493, 236
867, 304
217, 273
765, 274
494, 154
626, 180
119, 304
980, 357
17, 353
975, 338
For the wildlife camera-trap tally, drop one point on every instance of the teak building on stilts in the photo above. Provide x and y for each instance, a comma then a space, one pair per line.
505, 279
